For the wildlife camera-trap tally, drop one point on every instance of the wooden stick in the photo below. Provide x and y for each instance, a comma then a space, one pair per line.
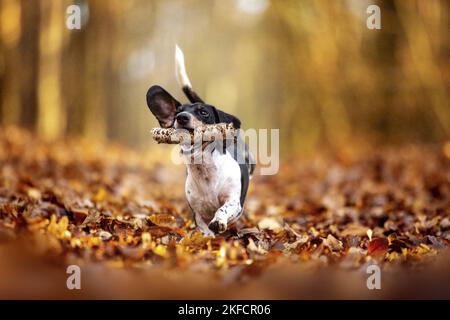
211, 132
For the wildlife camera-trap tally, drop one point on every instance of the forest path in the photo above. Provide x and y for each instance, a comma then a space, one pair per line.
73, 203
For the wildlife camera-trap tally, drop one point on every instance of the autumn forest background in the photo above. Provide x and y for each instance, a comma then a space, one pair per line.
312, 68
364, 127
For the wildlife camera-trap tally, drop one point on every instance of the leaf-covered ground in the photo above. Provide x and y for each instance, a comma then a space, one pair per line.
116, 212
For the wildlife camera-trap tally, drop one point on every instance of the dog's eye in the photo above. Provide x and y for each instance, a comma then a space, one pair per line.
203, 113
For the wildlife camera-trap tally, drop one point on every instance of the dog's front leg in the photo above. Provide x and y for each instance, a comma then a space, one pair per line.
202, 226
226, 214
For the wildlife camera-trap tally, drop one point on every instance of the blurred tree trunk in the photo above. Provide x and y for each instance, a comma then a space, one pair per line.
29, 47
73, 62
51, 121
425, 56
99, 69
10, 27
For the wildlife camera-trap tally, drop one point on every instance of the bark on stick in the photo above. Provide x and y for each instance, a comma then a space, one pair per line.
212, 132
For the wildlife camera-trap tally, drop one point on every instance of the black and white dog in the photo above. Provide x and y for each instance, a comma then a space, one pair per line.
216, 187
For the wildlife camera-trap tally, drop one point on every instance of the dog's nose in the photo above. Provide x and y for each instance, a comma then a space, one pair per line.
183, 118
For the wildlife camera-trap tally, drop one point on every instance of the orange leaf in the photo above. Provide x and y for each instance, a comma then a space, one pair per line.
378, 246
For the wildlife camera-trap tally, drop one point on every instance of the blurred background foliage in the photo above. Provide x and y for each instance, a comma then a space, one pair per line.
310, 68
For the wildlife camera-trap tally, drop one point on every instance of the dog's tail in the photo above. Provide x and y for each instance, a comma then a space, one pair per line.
182, 77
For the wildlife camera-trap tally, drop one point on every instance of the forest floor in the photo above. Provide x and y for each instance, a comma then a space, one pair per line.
309, 232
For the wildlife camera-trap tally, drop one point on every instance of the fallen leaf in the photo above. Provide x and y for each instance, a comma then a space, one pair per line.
254, 248
269, 224
332, 243
378, 246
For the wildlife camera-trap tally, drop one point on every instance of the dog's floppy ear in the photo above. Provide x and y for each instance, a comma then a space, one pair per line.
223, 117
162, 105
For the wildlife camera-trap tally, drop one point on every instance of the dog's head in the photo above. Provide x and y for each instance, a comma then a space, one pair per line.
171, 113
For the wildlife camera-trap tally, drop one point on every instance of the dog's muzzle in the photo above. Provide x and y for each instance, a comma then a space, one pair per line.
183, 118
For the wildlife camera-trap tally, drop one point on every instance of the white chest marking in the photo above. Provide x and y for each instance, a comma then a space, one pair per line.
212, 183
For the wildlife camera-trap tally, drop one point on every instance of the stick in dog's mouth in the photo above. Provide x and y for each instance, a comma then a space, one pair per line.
212, 132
